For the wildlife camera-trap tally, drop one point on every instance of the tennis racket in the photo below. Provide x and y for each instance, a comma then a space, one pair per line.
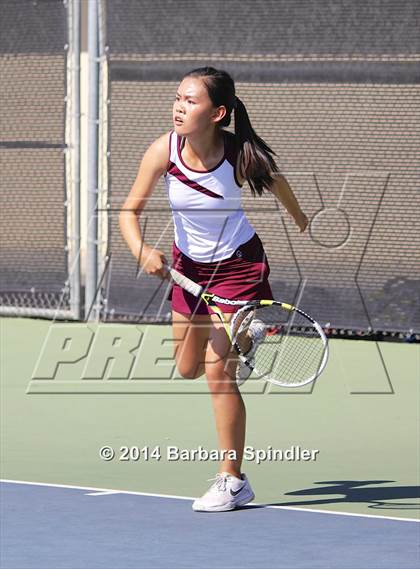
294, 350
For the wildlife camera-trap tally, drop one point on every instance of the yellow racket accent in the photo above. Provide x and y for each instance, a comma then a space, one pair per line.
220, 314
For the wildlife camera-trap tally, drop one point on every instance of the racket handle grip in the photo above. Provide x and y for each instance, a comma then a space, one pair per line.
184, 282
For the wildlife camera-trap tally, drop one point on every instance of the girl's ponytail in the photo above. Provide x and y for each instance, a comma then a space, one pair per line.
256, 163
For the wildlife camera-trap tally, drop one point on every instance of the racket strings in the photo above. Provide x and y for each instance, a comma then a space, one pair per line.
295, 359
292, 356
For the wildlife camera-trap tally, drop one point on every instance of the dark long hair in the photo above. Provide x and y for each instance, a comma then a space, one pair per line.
256, 163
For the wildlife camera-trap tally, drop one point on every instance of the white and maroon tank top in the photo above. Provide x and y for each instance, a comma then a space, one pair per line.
209, 221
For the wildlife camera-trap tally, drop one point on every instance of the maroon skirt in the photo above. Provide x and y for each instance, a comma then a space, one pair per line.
243, 276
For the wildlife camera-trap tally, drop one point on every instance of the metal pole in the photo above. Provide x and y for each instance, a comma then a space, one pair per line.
91, 308
75, 277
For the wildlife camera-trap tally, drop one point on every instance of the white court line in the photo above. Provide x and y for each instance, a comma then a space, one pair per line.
105, 491
98, 491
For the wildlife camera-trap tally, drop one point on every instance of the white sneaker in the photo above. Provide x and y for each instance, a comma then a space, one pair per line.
227, 493
257, 331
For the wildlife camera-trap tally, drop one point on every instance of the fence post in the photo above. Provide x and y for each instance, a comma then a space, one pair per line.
91, 301
75, 257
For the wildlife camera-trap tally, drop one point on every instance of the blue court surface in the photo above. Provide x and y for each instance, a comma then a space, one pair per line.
61, 527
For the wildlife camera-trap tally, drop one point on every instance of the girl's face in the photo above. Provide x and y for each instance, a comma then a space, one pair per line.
194, 108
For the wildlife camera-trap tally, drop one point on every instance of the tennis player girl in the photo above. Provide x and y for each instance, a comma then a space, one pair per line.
215, 245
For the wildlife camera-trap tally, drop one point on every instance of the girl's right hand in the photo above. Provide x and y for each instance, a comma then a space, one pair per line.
152, 261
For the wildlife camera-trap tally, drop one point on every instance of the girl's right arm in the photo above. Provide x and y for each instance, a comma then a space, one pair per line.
154, 163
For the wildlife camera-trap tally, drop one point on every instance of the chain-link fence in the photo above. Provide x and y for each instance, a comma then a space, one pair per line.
333, 87
39, 193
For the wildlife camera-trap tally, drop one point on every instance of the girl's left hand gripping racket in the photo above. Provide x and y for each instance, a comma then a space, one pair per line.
294, 350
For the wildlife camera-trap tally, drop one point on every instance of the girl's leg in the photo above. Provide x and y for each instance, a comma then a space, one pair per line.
228, 405
202, 346
190, 334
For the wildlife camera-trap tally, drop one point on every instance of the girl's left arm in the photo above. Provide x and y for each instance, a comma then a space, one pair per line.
283, 192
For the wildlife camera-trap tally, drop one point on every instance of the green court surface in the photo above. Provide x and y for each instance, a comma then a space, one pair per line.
63, 397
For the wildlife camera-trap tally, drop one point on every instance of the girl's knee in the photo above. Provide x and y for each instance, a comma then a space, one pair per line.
221, 377
190, 371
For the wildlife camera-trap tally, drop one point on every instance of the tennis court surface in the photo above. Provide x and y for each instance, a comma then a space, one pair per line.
78, 528
355, 505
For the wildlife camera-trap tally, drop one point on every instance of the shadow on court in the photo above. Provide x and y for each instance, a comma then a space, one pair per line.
367, 491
